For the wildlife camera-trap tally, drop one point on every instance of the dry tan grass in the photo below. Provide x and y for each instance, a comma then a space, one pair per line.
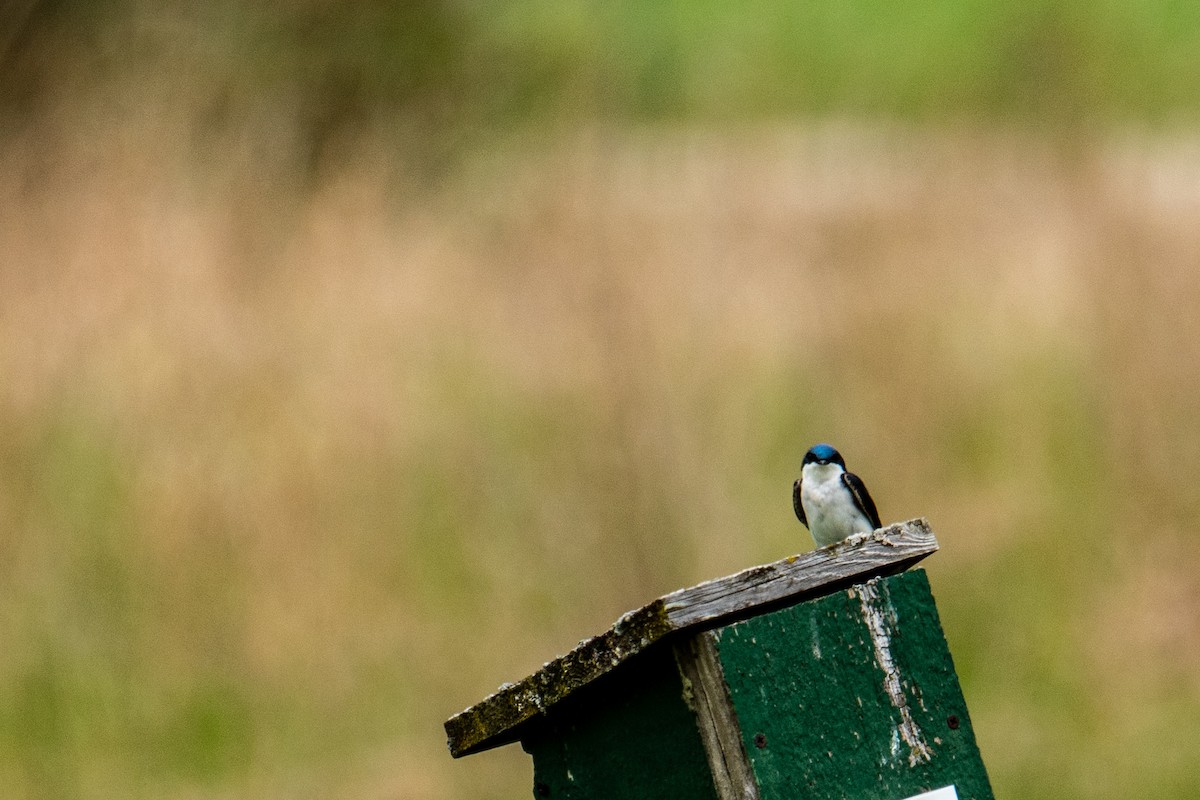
293, 474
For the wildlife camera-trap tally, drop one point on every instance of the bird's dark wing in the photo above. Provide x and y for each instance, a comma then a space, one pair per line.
862, 498
796, 504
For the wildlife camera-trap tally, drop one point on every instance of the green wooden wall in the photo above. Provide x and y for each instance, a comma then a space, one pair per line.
628, 735
852, 695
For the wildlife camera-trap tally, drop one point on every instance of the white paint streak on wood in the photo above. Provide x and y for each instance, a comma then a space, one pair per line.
880, 617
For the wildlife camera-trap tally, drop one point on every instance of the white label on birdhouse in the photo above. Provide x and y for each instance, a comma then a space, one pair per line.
948, 793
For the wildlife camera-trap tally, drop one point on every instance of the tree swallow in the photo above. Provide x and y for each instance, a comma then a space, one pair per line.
832, 503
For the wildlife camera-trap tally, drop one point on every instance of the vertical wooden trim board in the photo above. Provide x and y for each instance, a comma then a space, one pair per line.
707, 694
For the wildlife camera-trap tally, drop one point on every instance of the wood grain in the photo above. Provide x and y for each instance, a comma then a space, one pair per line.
499, 718
708, 696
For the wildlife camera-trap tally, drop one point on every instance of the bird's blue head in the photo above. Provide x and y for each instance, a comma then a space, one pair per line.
823, 454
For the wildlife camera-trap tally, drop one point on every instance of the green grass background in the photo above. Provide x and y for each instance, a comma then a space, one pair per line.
355, 358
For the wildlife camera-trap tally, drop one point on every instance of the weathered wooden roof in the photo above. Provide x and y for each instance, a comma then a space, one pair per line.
501, 717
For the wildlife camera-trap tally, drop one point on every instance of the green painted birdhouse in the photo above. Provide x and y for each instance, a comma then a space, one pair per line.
821, 676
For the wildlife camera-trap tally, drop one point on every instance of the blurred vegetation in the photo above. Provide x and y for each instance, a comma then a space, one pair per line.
444, 73
357, 358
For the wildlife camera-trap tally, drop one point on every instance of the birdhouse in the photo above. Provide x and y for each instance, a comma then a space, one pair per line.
824, 675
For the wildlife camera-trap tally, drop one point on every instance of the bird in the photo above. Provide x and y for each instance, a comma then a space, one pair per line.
832, 503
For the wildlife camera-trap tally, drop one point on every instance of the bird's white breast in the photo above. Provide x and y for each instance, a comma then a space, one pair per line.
829, 506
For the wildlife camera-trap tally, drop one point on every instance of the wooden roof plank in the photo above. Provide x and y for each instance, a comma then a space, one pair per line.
500, 717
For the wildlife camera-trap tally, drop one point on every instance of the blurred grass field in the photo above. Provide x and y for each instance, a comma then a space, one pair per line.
354, 362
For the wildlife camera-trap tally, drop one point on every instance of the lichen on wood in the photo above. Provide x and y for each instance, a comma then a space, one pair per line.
501, 717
